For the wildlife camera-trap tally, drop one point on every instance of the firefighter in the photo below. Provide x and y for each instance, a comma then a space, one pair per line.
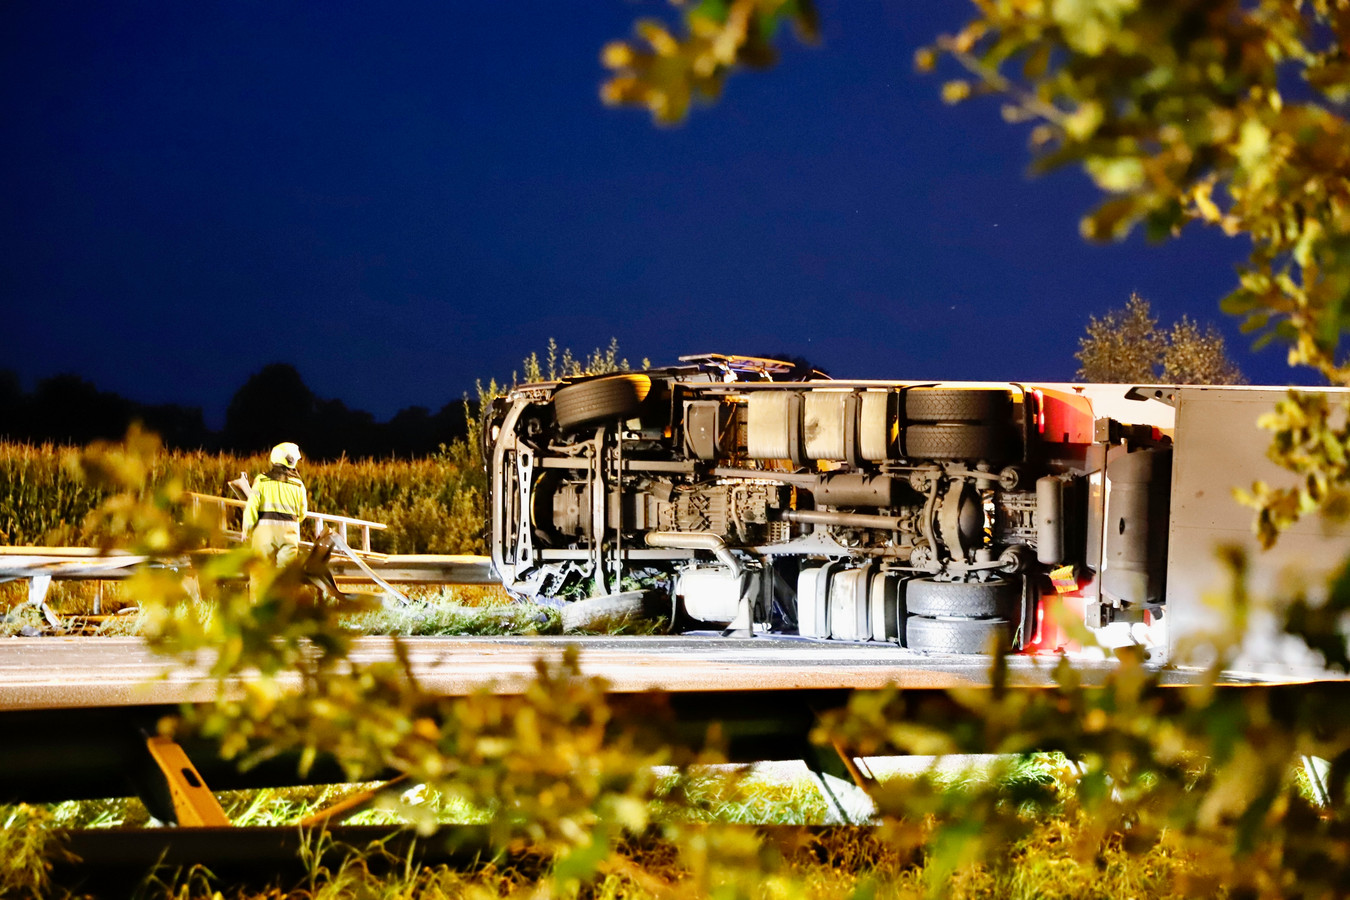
279, 503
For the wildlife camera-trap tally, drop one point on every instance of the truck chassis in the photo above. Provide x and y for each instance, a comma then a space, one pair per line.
751, 495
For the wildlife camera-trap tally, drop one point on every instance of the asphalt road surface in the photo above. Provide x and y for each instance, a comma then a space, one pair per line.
75, 672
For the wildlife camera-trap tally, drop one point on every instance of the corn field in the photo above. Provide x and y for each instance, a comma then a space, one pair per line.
432, 505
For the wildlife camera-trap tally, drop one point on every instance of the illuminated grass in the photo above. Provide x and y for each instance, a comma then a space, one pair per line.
1061, 857
842, 863
430, 505
433, 611
459, 611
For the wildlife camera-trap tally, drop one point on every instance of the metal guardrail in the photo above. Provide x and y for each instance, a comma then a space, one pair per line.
40, 566
91, 564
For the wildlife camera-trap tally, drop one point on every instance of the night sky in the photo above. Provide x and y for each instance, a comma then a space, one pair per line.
401, 198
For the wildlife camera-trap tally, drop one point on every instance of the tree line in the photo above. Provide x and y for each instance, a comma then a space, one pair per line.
273, 405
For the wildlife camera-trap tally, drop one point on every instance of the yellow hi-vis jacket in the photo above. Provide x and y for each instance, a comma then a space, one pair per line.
278, 495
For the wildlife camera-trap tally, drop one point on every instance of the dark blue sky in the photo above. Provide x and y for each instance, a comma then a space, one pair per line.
400, 198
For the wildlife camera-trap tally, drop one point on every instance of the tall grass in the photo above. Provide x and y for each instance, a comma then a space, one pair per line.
840, 863
40, 500
28, 846
432, 611
431, 505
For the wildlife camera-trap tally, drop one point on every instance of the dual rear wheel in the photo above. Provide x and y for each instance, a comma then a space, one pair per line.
959, 424
965, 424
961, 616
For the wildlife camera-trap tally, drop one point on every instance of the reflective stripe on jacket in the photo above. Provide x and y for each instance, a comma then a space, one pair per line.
285, 495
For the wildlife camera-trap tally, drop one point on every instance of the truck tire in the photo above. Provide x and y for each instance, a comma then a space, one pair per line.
985, 442
956, 405
589, 402
957, 635
998, 598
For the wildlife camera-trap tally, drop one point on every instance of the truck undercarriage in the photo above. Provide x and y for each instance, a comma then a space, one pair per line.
930, 515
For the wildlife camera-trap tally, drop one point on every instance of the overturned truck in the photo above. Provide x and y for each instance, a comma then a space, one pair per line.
753, 495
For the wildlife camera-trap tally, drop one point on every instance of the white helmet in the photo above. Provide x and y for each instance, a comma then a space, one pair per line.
286, 454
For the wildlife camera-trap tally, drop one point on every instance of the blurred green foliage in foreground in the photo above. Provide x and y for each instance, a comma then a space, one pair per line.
839, 863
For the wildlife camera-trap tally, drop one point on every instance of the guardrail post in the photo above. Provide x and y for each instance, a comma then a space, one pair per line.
37, 596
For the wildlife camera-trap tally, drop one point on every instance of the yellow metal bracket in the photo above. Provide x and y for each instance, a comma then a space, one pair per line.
194, 806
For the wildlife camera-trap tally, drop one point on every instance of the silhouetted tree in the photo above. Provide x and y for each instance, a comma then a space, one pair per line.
452, 422
70, 410
274, 405
180, 427
11, 406
67, 409
410, 432
338, 431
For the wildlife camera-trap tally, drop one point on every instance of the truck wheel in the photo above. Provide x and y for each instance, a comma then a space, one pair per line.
998, 598
589, 402
957, 635
986, 442
956, 405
